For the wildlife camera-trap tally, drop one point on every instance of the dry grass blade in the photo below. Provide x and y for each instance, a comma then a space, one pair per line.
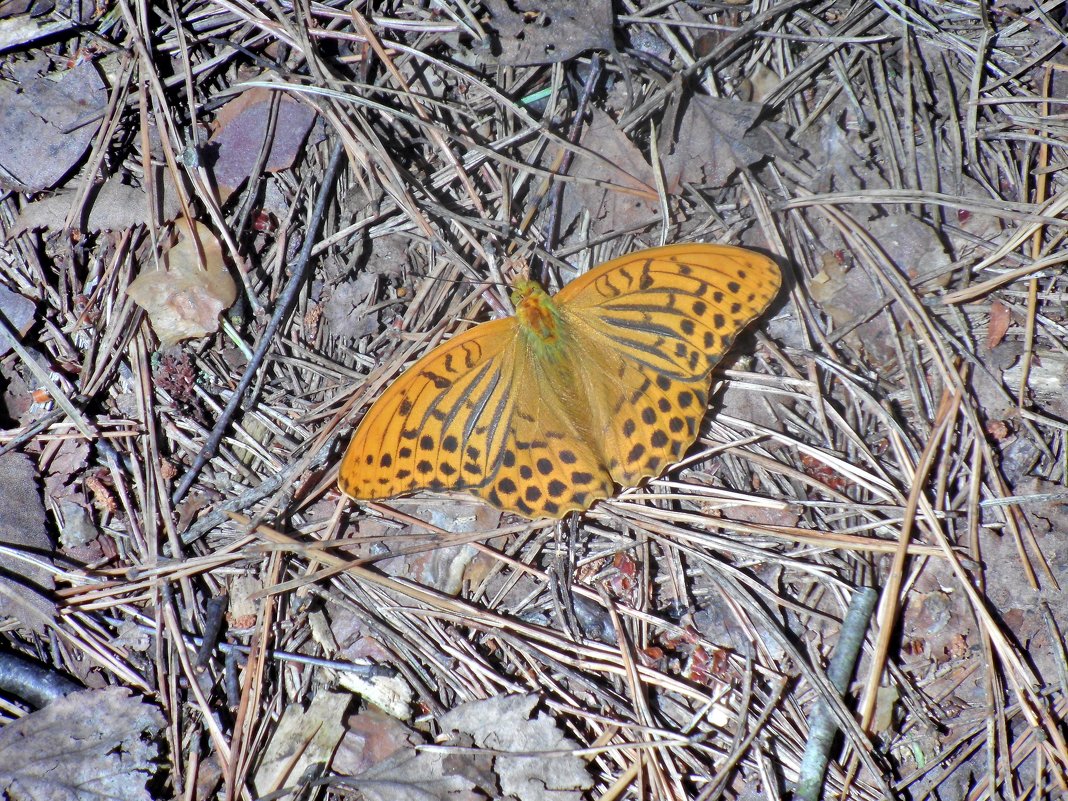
896, 422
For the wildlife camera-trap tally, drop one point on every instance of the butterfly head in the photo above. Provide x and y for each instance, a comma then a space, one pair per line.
538, 315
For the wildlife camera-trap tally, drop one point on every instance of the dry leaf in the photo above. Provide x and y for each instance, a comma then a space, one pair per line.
184, 299
88, 746
304, 739
1019, 455
550, 31
505, 723
76, 527
344, 308
442, 568
612, 159
240, 128
18, 384
763, 81
1000, 319
914, 246
112, 207
68, 463
411, 775
497, 725
47, 125
843, 292
18, 310
370, 738
716, 137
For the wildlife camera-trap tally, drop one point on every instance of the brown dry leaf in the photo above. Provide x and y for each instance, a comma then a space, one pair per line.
1019, 455
841, 158
18, 384
64, 485
303, 738
847, 295
714, 138
912, 244
47, 124
1000, 319
443, 567
22, 529
96, 744
372, 736
411, 775
762, 82
184, 299
114, 206
65, 468
549, 31
611, 159
506, 723
498, 725
240, 129
344, 308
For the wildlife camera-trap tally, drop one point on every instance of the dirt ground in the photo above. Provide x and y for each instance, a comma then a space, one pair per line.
227, 228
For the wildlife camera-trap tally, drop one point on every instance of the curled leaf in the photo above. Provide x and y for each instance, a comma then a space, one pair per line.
184, 298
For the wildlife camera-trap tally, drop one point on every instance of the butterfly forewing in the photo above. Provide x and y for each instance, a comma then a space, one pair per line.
437, 426
695, 282
661, 319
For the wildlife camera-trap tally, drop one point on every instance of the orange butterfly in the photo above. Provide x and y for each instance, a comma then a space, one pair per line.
543, 413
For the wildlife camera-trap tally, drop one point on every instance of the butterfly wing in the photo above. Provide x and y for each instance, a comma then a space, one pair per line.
541, 416
658, 321
474, 415
436, 426
551, 464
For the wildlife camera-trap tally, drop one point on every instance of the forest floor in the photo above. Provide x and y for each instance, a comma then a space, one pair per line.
891, 430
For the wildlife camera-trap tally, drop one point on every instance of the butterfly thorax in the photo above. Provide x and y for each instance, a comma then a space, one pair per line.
539, 317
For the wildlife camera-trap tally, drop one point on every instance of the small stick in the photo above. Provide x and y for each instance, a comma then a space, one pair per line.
35, 683
285, 304
212, 627
821, 725
370, 671
31, 431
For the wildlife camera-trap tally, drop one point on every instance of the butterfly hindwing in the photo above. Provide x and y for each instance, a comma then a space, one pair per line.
550, 466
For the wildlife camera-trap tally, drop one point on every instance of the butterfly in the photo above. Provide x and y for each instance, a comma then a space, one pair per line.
604, 383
